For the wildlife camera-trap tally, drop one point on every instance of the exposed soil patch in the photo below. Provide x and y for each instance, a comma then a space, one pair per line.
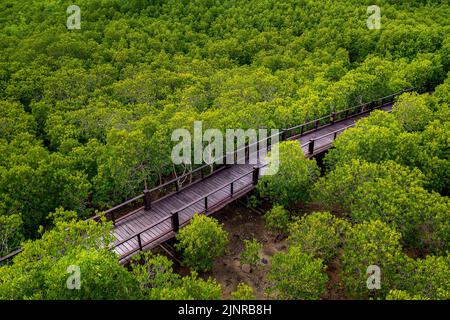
335, 289
242, 223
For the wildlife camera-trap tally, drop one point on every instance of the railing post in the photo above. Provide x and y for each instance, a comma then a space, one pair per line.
335, 135
302, 130
177, 187
257, 151
175, 222
283, 135
255, 175
231, 189
247, 152
147, 200
139, 241
316, 124
311, 146
228, 160
333, 117
206, 203
424, 87
113, 218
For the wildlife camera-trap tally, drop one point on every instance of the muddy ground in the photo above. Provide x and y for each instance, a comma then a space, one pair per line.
243, 223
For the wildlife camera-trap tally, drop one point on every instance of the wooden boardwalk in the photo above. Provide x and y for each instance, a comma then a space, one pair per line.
161, 210
145, 229
324, 137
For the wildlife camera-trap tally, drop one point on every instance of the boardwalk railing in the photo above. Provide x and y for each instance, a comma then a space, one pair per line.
10, 255
175, 216
204, 198
311, 144
175, 185
314, 125
139, 238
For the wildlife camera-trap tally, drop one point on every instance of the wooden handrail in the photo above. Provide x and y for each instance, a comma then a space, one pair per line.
176, 180
328, 134
142, 231
352, 108
334, 132
212, 192
138, 234
11, 255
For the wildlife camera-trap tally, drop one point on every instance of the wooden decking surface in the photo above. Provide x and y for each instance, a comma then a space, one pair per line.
142, 219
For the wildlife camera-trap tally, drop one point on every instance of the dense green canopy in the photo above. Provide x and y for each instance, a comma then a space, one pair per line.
86, 117
87, 114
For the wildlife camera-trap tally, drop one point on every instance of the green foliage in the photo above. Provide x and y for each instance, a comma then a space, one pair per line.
188, 288
441, 95
430, 278
101, 278
402, 295
374, 139
243, 292
157, 281
291, 184
408, 137
10, 233
435, 141
14, 120
296, 275
343, 185
318, 234
35, 182
412, 112
86, 116
153, 273
277, 219
253, 202
250, 253
199, 289
201, 242
40, 270
391, 193
372, 243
